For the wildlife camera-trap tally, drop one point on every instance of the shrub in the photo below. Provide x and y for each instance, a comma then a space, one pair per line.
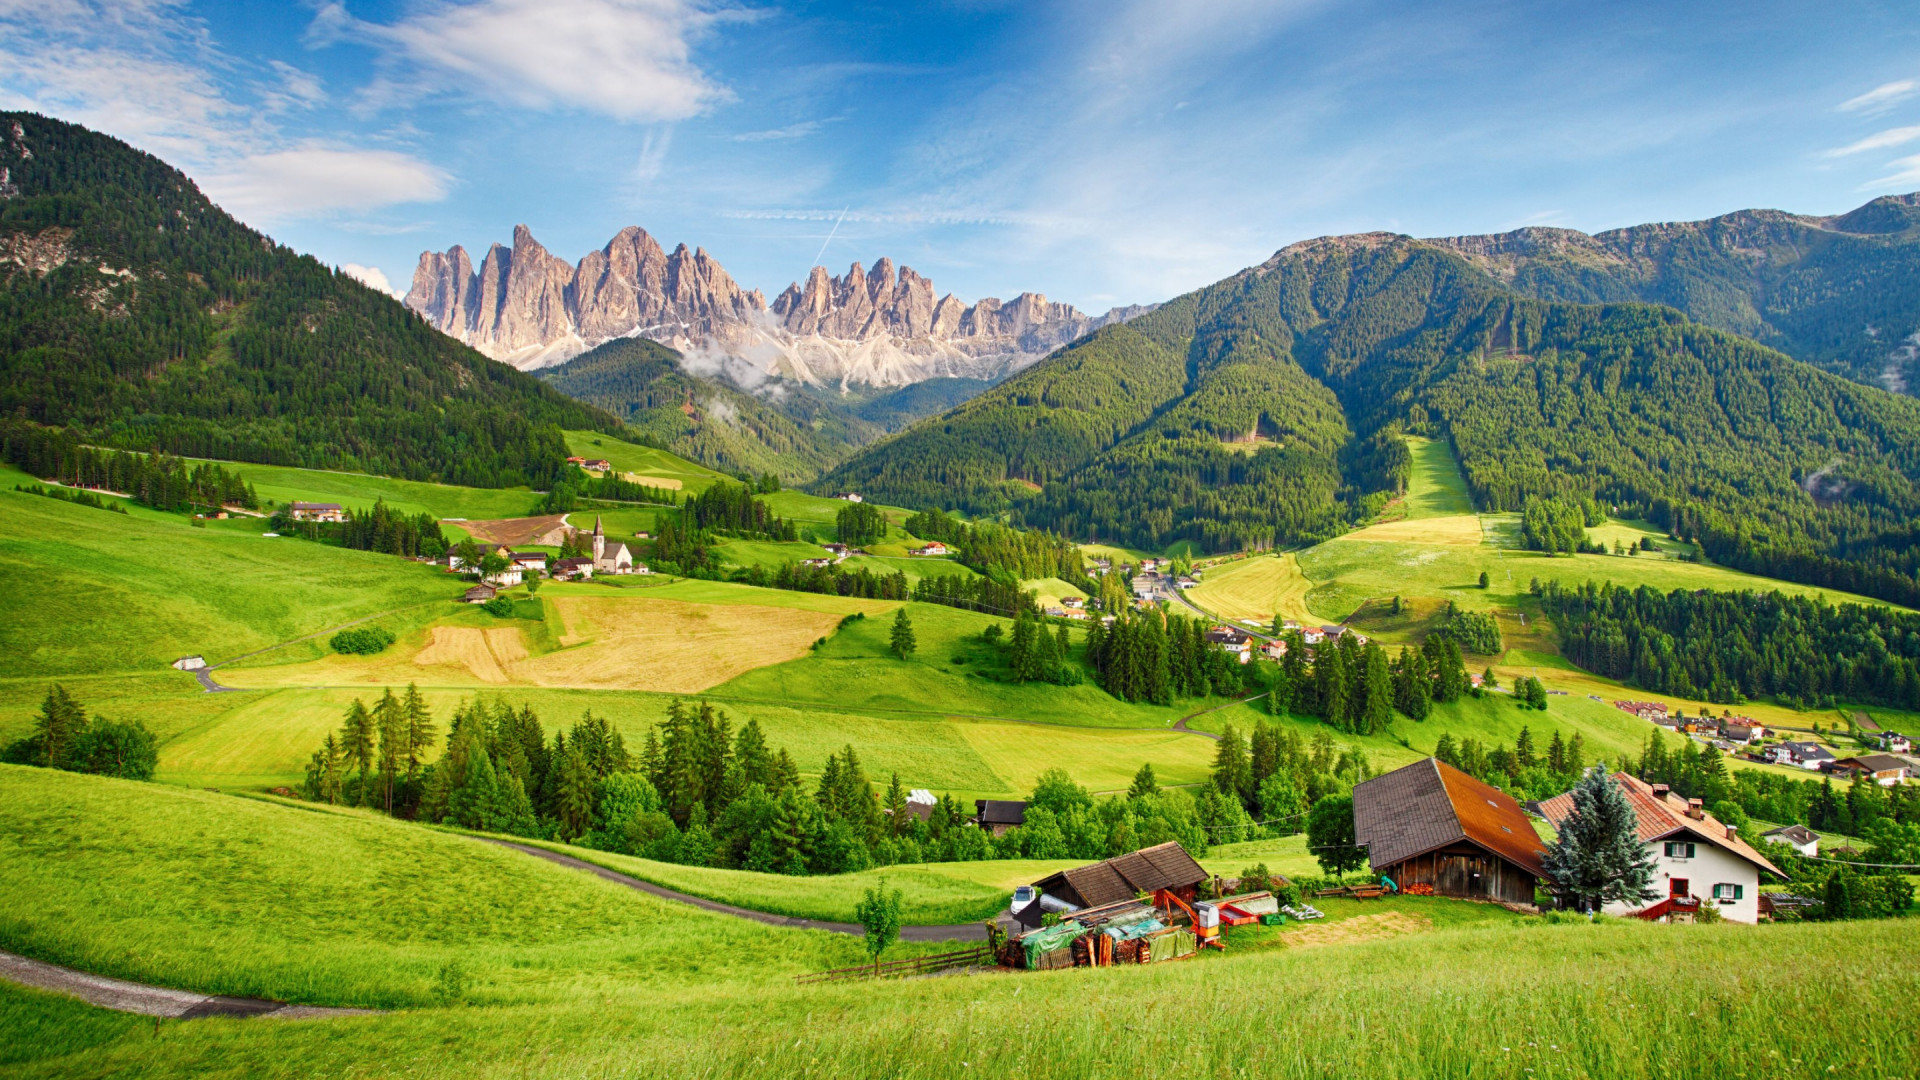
499, 607
362, 640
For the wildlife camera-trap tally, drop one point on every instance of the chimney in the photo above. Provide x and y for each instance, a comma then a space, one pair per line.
1733, 833
1696, 809
1660, 792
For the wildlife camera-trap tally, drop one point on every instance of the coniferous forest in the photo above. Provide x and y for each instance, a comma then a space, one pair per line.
141, 316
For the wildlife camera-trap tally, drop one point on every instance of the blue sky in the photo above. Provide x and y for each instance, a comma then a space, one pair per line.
1102, 152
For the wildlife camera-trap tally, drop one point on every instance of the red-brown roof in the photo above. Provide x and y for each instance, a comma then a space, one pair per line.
1163, 866
1659, 817
1429, 804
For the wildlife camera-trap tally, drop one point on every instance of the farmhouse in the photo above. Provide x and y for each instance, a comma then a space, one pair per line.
934, 547
1430, 824
816, 564
1274, 650
998, 815
598, 465
1883, 769
849, 496
920, 803
1073, 602
1804, 840
535, 561
190, 663
1806, 755
1893, 742
572, 568
479, 594
313, 511
1231, 640
1694, 854
838, 551
506, 578
1166, 866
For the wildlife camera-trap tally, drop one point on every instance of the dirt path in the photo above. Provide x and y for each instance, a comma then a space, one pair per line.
1181, 724
147, 1000
957, 932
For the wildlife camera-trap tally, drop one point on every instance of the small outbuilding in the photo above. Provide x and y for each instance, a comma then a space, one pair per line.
998, 815
1431, 824
1804, 840
1117, 880
479, 594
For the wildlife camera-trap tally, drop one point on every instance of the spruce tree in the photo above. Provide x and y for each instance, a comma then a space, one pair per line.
1022, 658
1523, 754
1232, 772
1144, 783
901, 641
358, 741
1557, 754
420, 729
1376, 692
390, 722
896, 806
58, 726
1063, 643
1598, 857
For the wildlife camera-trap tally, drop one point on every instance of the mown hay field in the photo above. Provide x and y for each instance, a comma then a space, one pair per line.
615, 643
1256, 590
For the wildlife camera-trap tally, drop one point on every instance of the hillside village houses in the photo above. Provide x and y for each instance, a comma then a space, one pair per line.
316, 511
1232, 640
1893, 742
933, 547
1802, 839
1696, 856
1806, 755
1886, 770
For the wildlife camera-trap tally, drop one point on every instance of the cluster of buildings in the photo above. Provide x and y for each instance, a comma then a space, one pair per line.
1428, 827
592, 465
836, 553
608, 557
1730, 733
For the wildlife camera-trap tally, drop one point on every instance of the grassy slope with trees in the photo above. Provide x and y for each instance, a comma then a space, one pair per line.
313, 909
203, 337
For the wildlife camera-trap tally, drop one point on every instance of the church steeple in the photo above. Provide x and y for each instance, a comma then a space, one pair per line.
599, 542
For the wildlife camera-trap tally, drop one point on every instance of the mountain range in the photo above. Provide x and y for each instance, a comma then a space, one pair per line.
532, 309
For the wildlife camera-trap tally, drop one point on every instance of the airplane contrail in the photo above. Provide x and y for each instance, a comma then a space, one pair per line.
830, 232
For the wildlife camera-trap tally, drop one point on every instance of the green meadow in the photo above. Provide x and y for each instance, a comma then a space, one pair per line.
496, 964
359, 491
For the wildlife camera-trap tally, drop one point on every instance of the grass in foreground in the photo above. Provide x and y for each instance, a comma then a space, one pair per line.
224, 895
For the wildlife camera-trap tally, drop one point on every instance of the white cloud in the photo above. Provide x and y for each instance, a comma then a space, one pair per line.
297, 89
315, 181
628, 59
653, 154
1891, 137
1881, 98
1906, 174
370, 276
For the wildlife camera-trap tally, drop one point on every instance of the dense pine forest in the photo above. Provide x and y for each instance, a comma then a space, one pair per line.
1267, 409
1728, 648
138, 314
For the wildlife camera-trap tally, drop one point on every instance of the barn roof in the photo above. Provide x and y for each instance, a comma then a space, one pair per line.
1429, 804
1164, 866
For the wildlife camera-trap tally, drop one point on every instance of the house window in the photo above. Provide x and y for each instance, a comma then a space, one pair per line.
1727, 893
1678, 849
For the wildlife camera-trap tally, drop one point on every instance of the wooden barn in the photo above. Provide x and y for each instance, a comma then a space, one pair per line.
1429, 824
1120, 879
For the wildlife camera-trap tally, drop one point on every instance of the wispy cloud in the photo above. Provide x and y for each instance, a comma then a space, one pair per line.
1899, 136
1881, 98
631, 60
653, 154
882, 217
791, 131
1906, 174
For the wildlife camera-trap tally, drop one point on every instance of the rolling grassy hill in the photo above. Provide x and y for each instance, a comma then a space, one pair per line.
497, 964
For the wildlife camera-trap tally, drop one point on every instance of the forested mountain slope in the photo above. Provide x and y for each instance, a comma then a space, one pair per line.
135, 311
706, 420
1841, 292
1267, 409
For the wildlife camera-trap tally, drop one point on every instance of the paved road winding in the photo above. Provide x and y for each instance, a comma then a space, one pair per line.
131, 997
956, 932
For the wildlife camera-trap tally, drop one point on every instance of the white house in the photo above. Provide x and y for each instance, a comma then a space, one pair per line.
1886, 770
505, 579
534, 561
1804, 840
849, 496
1805, 755
1695, 856
315, 511
934, 547
1231, 640
1893, 742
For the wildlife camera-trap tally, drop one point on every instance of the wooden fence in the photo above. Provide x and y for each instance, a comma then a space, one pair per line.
919, 965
